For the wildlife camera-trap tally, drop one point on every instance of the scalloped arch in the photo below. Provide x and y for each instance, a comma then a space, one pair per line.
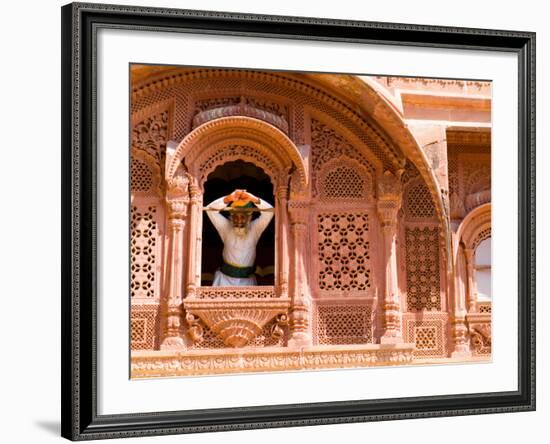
474, 223
271, 147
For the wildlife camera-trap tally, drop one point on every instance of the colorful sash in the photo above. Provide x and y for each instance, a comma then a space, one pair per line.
236, 272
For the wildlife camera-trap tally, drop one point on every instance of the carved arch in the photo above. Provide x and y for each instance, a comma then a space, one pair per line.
475, 227
229, 138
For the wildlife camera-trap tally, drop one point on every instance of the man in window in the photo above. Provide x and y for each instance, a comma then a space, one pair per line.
239, 234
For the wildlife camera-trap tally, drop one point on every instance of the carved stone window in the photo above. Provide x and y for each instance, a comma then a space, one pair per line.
223, 180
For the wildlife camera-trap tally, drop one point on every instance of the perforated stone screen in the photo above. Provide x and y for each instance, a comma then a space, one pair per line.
141, 176
344, 252
423, 271
143, 327
419, 203
343, 182
143, 252
428, 335
343, 324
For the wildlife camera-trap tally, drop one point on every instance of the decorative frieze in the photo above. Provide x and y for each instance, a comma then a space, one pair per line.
241, 109
202, 362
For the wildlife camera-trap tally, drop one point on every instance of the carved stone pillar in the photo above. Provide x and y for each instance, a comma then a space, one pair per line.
472, 290
460, 336
177, 199
300, 305
282, 242
459, 329
389, 202
194, 253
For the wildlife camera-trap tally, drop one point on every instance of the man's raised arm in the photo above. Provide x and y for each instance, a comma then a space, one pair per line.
261, 223
218, 220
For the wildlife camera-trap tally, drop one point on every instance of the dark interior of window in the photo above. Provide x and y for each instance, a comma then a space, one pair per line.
221, 182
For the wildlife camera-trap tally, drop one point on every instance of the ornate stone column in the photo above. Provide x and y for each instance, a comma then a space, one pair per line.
472, 291
300, 305
195, 224
177, 199
458, 323
282, 228
389, 202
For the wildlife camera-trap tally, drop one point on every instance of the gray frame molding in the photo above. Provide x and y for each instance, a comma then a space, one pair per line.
80, 22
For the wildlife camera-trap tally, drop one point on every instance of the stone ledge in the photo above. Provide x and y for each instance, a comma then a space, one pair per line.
162, 363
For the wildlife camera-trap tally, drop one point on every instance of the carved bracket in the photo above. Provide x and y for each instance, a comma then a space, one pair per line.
277, 331
237, 321
479, 328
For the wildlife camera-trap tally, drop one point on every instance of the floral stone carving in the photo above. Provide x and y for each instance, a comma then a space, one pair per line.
237, 320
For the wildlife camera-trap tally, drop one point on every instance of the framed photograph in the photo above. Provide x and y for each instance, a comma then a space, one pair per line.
278, 221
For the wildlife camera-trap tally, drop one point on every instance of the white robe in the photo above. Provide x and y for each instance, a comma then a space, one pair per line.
239, 249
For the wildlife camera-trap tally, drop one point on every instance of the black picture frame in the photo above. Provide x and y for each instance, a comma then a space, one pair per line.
80, 419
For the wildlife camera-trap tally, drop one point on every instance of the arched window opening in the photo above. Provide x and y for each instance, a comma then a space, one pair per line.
222, 181
482, 270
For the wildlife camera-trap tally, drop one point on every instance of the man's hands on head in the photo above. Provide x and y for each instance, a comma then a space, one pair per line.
241, 195
249, 197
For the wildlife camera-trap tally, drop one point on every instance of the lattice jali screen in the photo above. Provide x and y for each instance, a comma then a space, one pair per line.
428, 335
343, 252
418, 201
141, 178
217, 293
343, 324
425, 338
423, 270
484, 307
344, 179
343, 182
144, 326
144, 252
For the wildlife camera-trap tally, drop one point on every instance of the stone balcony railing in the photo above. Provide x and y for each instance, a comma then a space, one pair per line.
225, 293
484, 307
